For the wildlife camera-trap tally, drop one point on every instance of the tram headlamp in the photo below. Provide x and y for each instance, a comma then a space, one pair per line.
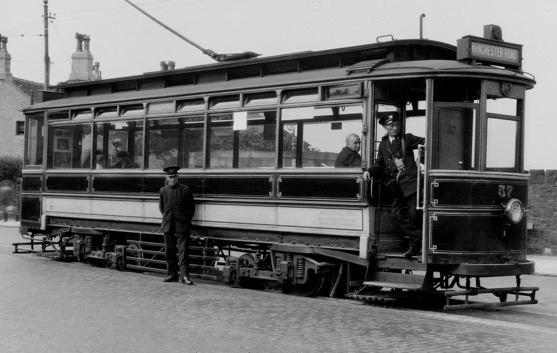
514, 210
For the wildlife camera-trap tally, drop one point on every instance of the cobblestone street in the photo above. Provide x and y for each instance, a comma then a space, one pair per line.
50, 306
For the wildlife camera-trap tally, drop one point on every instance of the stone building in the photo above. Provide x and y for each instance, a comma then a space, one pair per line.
542, 213
15, 94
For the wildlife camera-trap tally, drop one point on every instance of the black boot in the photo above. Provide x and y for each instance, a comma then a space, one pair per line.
171, 278
414, 250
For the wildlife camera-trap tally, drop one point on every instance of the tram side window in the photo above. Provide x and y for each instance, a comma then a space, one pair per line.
69, 146
313, 137
175, 141
34, 140
243, 140
118, 145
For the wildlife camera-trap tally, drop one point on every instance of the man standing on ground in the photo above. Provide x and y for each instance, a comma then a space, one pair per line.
177, 206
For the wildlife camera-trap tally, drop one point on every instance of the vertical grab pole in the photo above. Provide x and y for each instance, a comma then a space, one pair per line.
420, 149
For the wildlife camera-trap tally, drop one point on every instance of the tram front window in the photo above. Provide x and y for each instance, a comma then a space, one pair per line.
502, 134
501, 143
455, 135
313, 137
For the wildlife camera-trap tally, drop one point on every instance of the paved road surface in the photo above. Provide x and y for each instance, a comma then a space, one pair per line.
49, 306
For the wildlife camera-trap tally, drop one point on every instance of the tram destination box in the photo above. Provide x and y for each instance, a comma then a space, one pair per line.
490, 51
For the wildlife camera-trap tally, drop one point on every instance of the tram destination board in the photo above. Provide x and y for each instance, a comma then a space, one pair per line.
490, 51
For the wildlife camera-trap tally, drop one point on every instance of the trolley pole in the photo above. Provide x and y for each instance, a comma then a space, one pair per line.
422, 26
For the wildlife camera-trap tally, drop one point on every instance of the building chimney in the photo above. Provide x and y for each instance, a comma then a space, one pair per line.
5, 59
82, 61
96, 72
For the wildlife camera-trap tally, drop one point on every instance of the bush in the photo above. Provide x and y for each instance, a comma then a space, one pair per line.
10, 168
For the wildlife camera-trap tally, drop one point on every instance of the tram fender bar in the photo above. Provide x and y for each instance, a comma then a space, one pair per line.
309, 250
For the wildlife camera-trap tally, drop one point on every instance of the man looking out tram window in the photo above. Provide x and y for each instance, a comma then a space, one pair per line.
395, 166
349, 156
177, 206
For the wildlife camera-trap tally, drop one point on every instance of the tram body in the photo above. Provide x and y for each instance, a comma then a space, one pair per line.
257, 141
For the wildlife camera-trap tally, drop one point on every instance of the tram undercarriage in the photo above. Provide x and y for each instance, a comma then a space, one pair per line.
295, 269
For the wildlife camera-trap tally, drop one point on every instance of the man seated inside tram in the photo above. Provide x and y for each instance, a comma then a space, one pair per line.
396, 168
124, 161
349, 156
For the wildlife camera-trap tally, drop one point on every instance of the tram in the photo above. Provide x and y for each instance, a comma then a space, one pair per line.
257, 139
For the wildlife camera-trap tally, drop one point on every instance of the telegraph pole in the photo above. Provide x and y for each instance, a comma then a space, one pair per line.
46, 17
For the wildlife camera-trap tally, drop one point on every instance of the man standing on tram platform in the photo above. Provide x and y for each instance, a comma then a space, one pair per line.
177, 206
395, 166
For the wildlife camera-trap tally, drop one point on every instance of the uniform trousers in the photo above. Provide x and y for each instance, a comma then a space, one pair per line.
407, 217
176, 249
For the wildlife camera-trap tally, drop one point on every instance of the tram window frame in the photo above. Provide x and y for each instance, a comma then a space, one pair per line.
497, 148
81, 114
109, 147
190, 105
58, 115
181, 129
232, 143
469, 137
224, 102
106, 112
164, 107
34, 140
69, 145
294, 132
301, 95
132, 110
260, 98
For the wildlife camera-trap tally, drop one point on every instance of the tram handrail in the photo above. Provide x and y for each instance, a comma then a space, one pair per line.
420, 149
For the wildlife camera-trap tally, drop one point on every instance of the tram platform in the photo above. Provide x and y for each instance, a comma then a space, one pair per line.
546, 265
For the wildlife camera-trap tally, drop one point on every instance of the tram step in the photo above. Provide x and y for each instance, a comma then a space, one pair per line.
398, 261
396, 280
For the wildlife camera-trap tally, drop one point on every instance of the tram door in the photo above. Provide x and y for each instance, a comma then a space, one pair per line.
454, 132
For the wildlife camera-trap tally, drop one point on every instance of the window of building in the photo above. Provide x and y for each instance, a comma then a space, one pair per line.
19, 128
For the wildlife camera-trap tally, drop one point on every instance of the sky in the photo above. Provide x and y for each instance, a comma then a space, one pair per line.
127, 43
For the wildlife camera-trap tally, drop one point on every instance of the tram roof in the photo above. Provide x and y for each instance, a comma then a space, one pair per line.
375, 68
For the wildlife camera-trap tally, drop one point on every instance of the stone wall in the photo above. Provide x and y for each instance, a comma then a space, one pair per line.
542, 212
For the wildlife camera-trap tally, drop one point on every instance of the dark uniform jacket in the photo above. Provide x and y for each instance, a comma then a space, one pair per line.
384, 167
176, 203
348, 159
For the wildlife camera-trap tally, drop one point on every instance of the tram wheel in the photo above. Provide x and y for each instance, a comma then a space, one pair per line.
134, 250
248, 260
313, 286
